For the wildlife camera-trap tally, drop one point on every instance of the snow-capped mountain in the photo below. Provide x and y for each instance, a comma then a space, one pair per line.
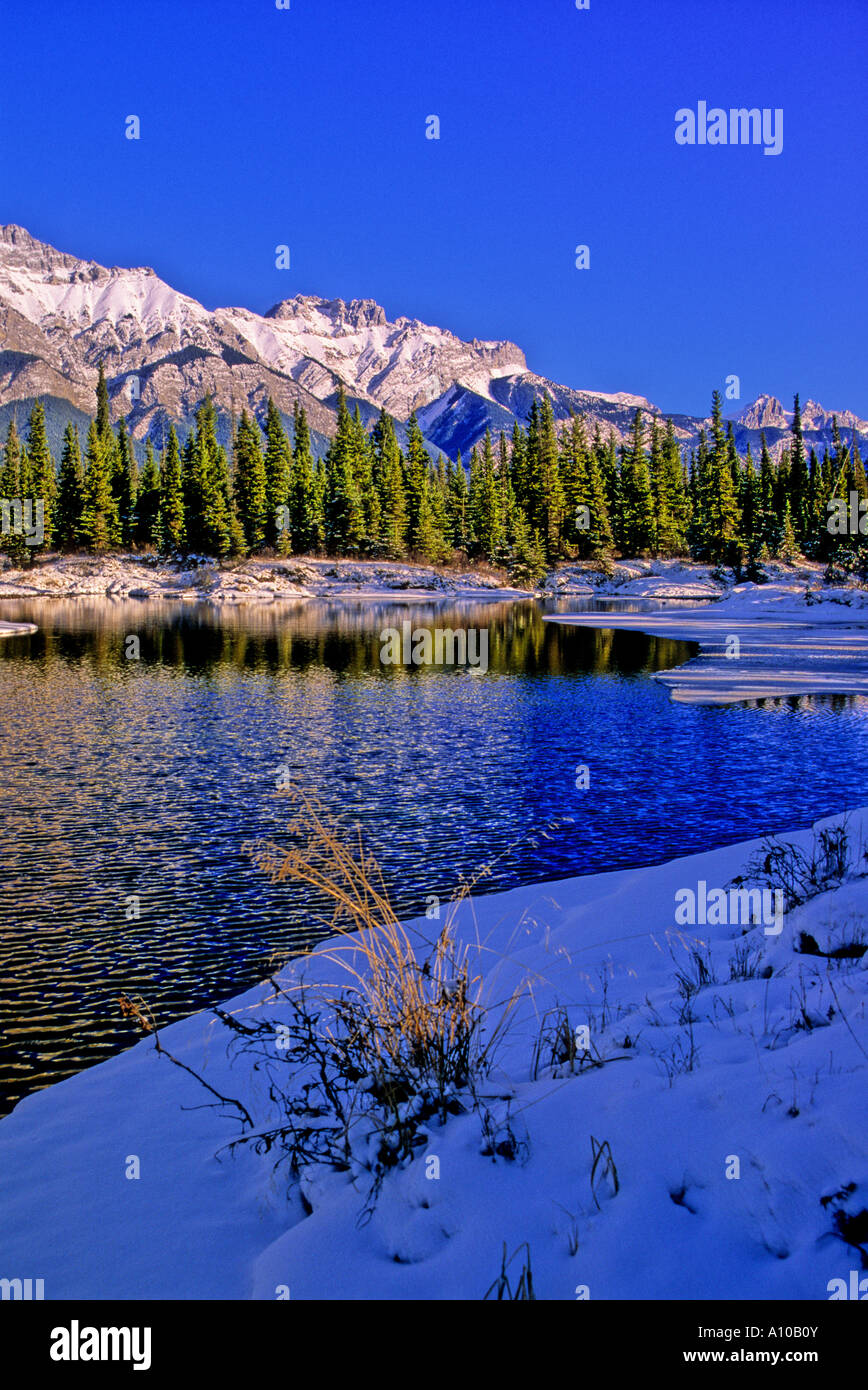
767, 412
163, 352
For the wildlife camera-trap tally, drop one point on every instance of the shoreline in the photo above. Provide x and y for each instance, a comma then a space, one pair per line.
253, 581
762, 642
249, 582
232, 1228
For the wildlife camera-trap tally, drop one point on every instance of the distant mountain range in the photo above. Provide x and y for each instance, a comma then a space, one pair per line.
163, 352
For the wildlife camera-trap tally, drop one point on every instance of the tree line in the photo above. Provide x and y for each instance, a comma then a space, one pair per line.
547, 493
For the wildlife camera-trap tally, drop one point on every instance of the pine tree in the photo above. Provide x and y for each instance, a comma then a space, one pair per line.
718, 507
171, 528
125, 484
210, 517
518, 467
148, 500
103, 410
458, 505
43, 474
369, 497
573, 464
788, 549
416, 473
507, 503
428, 540
798, 480
548, 514
302, 499
768, 530
438, 495
749, 495
277, 469
98, 525
605, 455
389, 479
70, 495
527, 566
251, 487
670, 495
732, 457
320, 488
637, 501
344, 517
485, 510
12, 491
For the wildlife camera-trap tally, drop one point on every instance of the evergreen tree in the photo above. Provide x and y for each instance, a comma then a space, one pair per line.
527, 567
717, 501
98, 526
605, 453
171, 527
148, 501
769, 533
103, 411
428, 540
43, 474
788, 549
750, 506
518, 466
344, 516
12, 491
369, 497
388, 476
416, 473
250, 483
320, 487
671, 503
438, 495
543, 465
458, 505
70, 495
798, 480
125, 484
573, 464
277, 470
210, 518
637, 519
485, 511
302, 500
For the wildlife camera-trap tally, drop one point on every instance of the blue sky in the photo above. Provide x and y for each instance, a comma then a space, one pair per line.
306, 127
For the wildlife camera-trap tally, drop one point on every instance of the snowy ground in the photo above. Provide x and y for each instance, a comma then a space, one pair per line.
772, 1085
246, 581
760, 641
138, 576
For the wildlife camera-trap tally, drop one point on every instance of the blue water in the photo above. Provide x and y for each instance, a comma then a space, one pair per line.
144, 778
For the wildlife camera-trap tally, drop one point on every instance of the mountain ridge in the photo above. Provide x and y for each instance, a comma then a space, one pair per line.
163, 352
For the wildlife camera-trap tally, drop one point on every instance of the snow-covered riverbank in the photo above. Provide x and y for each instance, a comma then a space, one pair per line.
761, 641
246, 581
137, 576
730, 1102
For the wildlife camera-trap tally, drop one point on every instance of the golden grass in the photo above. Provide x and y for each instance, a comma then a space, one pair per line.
424, 1014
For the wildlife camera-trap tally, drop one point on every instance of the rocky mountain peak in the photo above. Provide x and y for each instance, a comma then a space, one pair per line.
766, 412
